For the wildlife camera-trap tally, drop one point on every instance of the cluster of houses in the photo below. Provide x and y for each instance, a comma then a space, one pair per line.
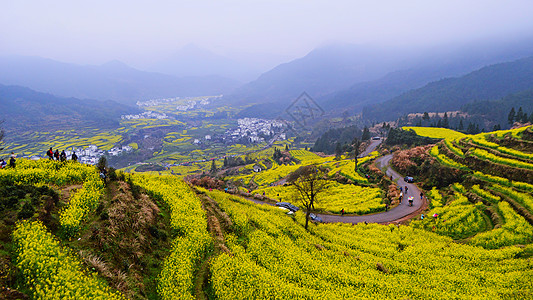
91, 154
153, 102
145, 115
255, 130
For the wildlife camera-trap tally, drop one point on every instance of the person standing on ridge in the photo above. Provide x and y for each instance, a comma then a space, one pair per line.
56, 154
50, 154
74, 156
12, 160
63, 156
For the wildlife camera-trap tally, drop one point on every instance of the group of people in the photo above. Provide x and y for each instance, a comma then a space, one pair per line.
411, 199
12, 161
60, 156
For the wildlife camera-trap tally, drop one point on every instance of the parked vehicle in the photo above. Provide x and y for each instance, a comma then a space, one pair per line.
288, 206
315, 217
409, 179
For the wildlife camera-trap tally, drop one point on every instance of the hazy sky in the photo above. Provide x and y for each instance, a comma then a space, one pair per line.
137, 32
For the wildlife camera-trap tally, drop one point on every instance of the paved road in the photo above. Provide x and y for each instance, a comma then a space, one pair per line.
393, 214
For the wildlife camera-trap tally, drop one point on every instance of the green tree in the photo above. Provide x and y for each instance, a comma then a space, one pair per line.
213, 166
425, 117
519, 115
338, 151
102, 164
445, 122
366, 134
308, 181
511, 117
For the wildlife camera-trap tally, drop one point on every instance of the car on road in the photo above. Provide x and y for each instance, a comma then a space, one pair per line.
409, 179
376, 138
288, 206
315, 218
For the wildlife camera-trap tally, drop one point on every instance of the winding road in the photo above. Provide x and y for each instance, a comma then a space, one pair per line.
394, 214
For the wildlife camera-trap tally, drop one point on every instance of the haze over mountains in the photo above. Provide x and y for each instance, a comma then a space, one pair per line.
111, 81
340, 77
349, 77
488, 83
24, 108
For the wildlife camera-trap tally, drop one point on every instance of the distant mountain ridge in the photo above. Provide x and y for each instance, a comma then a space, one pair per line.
323, 71
111, 81
488, 83
24, 108
349, 77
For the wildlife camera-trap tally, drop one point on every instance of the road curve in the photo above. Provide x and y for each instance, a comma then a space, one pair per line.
392, 215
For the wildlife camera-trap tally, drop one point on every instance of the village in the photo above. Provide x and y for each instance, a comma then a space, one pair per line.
89, 155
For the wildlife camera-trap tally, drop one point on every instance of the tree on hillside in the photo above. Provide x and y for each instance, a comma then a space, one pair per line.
338, 151
356, 145
445, 122
511, 116
213, 166
1, 132
520, 115
366, 134
309, 181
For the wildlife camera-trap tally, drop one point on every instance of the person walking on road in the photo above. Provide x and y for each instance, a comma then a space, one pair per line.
342, 212
406, 188
421, 196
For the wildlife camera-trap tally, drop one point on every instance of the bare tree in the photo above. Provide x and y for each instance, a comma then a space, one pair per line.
1, 134
356, 145
309, 181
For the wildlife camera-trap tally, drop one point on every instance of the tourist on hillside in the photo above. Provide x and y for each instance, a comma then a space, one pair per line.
63, 156
74, 156
386, 207
342, 212
56, 154
103, 176
3, 163
50, 154
12, 160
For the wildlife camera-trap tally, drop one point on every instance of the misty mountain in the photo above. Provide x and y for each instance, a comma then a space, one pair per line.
110, 81
321, 72
488, 83
427, 66
347, 77
497, 111
23, 108
194, 61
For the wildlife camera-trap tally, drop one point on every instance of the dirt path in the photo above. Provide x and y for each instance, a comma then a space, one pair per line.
218, 222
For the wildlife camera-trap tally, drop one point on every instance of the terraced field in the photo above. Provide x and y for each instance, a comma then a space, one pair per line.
475, 242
